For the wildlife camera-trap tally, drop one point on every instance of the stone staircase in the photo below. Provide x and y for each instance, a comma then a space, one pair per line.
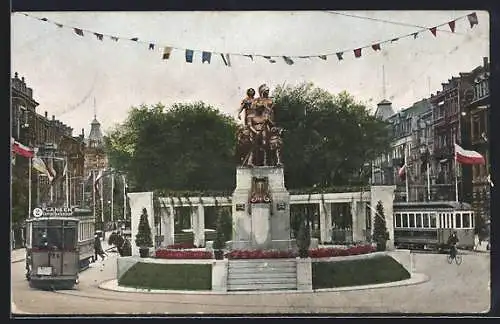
262, 274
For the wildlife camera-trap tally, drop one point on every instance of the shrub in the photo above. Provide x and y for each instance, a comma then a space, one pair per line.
313, 253
143, 238
180, 254
380, 233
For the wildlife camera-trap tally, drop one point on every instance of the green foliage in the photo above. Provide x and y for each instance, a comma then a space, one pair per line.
304, 238
380, 233
357, 272
168, 276
188, 146
221, 236
328, 138
143, 238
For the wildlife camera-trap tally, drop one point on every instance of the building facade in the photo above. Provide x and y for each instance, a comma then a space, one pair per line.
52, 141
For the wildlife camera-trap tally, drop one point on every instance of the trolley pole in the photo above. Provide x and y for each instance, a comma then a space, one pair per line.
29, 186
112, 193
124, 197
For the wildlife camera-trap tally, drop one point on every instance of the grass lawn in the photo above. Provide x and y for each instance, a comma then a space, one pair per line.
357, 272
168, 276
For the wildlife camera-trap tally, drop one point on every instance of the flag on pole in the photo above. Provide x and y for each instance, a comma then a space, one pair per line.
402, 172
21, 149
467, 157
41, 167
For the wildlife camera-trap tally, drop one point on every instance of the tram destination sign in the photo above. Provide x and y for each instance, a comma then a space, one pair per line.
52, 211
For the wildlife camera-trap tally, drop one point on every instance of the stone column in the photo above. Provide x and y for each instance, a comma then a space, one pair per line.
167, 216
325, 221
201, 225
358, 220
195, 227
385, 194
138, 201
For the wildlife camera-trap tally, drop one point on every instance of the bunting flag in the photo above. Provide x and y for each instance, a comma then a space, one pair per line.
357, 52
288, 59
402, 172
467, 157
40, 166
490, 181
206, 57
189, 56
472, 19
166, 52
452, 25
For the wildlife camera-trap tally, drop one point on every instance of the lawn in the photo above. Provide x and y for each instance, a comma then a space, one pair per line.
357, 272
168, 276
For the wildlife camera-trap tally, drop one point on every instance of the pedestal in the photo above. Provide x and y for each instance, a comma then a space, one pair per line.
261, 225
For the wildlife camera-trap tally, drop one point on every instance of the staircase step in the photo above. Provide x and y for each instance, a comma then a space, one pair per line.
279, 286
263, 281
237, 275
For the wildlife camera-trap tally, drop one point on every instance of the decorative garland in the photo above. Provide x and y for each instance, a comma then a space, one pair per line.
206, 56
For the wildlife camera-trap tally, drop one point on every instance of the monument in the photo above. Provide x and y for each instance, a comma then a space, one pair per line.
261, 202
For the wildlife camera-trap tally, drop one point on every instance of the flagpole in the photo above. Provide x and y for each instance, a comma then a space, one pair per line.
456, 176
101, 192
124, 197
29, 187
112, 193
67, 181
93, 191
428, 168
406, 174
50, 182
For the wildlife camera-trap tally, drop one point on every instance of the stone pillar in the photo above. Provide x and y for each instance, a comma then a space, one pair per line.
325, 222
219, 275
138, 201
304, 274
167, 217
201, 225
358, 220
385, 194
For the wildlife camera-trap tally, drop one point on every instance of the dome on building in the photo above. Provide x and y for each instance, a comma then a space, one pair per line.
95, 138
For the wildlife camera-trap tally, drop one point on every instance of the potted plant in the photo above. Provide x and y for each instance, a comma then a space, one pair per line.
220, 239
380, 233
143, 238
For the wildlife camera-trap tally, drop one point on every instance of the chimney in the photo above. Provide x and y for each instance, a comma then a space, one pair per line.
53, 117
485, 62
46, 115
83, 132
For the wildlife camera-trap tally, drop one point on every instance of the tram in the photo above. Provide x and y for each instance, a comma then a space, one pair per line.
428, 225
59, 244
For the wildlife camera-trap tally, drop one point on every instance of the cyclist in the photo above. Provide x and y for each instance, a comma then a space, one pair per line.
452, 242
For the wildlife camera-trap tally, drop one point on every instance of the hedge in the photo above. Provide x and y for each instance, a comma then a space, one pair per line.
375, 270
168, 276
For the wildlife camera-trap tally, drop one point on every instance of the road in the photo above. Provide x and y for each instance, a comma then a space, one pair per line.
451, 289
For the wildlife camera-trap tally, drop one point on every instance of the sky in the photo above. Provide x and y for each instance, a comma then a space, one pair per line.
71, 73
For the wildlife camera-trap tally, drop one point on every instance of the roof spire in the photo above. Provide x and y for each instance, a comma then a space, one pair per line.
95, 110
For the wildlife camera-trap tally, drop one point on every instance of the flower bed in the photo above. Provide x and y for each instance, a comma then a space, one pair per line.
313, 253
181, 246
180, 254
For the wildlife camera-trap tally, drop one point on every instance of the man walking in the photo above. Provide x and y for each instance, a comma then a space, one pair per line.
98, 248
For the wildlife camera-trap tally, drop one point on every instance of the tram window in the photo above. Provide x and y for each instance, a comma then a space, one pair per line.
418, 218
433, 220
458, 220
69, 238
397, 219
426, 220
412, 220
405, 219
466, 220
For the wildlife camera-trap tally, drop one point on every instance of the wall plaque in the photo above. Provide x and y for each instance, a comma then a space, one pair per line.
281, 206
240, 207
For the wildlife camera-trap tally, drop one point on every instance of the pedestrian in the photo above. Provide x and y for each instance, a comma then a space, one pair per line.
98, 248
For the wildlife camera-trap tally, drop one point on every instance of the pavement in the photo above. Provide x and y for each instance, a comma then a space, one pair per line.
443, 292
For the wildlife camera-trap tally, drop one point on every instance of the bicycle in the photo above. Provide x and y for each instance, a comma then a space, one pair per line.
454, 255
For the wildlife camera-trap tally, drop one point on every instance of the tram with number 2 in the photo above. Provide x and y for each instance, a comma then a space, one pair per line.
59, 244
428, 225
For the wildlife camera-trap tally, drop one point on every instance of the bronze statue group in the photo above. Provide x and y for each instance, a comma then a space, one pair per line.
259, 139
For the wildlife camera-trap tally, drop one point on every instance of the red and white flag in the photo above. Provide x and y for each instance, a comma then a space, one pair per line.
402, 171
21, 149
468, 157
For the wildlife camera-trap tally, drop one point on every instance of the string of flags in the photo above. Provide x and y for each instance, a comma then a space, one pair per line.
206, 56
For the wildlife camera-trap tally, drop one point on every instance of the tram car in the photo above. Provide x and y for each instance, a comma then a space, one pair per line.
59, 244
428, 225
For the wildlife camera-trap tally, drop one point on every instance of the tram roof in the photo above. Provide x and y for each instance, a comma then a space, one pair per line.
44, 218
433, 204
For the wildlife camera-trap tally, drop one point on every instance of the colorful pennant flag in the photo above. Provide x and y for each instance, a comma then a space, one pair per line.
78, 31
114, 38
472, 19
376, 47
415, 35
206, 57
99, 36
288, 60
151, 46
357, 52
135, 39
189, 56
433, 30
270, 59
468, 157
339, 55
323, 57
228, 60
21, 149
394, 40
249, 56
166, 52
452, 25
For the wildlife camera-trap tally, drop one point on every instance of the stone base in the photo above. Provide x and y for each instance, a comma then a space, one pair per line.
281, 245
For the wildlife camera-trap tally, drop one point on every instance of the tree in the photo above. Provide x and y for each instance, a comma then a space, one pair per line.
220, 237
304, 237
143, 238
187, 147
380, 233
328, 137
